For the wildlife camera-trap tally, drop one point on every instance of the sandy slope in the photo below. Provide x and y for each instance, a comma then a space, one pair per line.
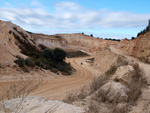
143, 103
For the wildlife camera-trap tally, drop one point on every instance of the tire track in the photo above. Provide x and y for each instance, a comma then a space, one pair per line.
57, 88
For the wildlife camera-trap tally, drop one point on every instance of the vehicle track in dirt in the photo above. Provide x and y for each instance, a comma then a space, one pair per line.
58, 88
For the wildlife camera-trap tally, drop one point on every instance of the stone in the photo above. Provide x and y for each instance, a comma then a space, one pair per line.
114, 91
124, 74
35, 104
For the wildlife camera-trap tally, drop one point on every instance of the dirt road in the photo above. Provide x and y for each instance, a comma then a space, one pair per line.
57, 88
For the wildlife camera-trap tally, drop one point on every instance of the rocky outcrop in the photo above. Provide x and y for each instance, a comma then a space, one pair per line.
124, 74
114, 92
34, 104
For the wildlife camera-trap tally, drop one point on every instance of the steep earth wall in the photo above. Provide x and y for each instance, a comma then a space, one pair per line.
49, 40
139, 47
74, 41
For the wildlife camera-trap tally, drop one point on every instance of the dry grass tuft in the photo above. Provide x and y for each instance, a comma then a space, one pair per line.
97, 82
116, 109
139, 82
71, 97
101, 96
111, 70
93, 108
21, 88
122, 61
82, 94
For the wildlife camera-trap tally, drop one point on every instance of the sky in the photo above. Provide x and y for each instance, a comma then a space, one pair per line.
103, 18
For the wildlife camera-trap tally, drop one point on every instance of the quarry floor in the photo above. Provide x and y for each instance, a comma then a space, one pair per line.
58, 88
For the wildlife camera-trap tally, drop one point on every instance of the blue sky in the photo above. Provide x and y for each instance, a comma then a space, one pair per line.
102, 18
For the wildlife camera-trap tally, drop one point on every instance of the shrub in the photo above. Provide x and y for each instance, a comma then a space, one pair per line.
147, 29
47, 59
112, 39
93, 108
59, 55
35, 55
111, 71
58, 36
42, 47
139, 81
132, 38
20, 61
91, 35
97, 82
29, 62
64, 67
144, 59
122, 109
71, 97
48, 53
76, 54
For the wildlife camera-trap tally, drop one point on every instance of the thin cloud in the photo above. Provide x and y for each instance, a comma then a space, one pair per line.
35, 3
69, 15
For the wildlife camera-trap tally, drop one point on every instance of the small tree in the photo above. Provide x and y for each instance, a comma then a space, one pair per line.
48, 53
59, 54
91, 35
132, 38
29, 62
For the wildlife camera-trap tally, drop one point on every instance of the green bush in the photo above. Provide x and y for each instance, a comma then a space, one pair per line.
147, 29
48, 53
59, 54
47, 59
29, 62
76, 54
20, 62
111, 70
38, 63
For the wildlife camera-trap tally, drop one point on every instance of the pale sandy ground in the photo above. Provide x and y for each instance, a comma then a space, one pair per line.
143, 103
